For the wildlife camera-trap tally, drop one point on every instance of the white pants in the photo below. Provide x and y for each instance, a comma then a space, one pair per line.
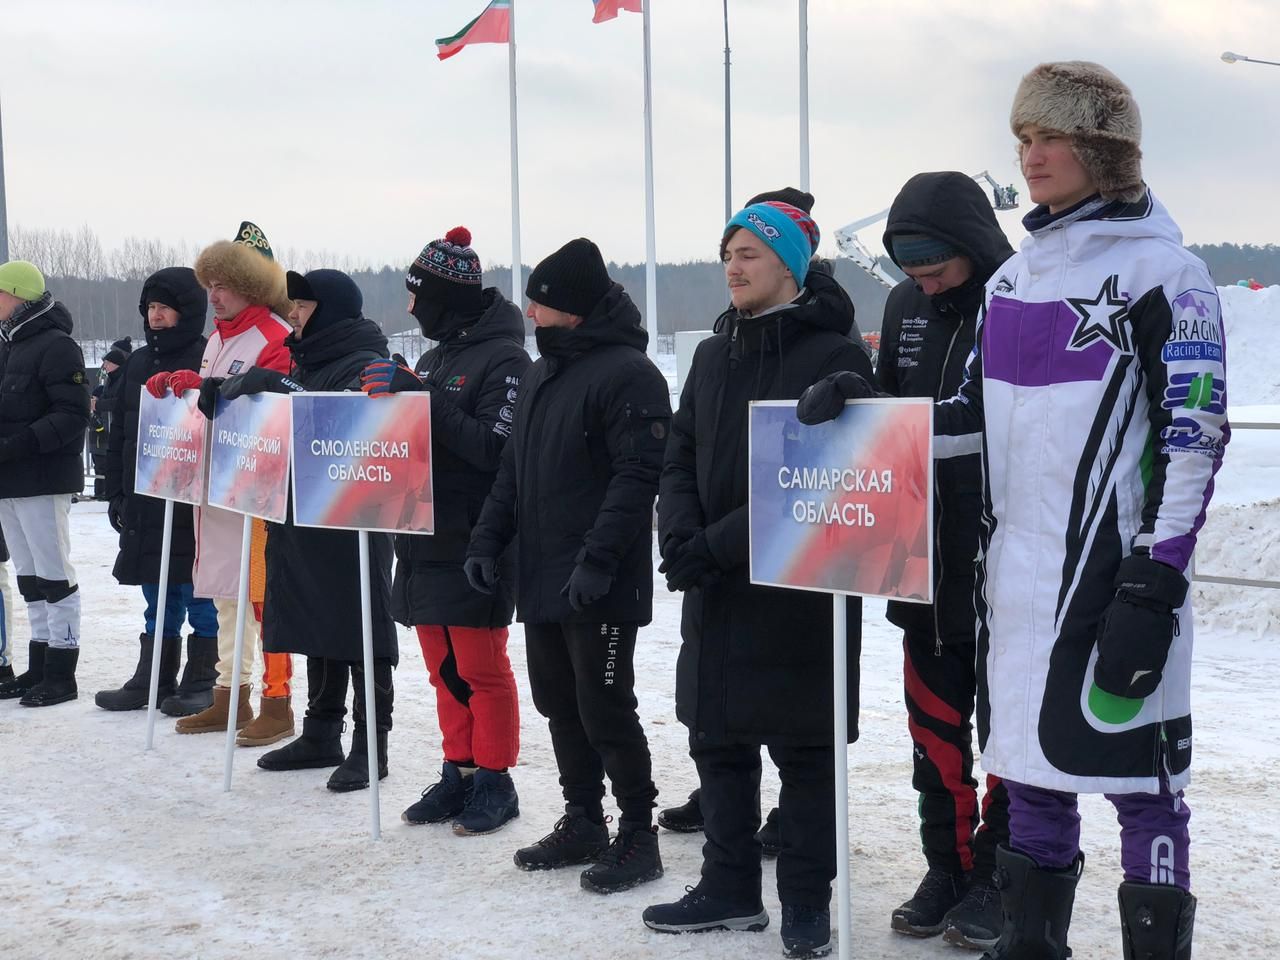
6, 622
227, 642
37, 531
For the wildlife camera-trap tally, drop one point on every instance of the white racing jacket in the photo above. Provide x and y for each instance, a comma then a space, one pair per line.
1097, 396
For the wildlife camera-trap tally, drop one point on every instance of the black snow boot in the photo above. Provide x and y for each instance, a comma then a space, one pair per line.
975, 922
319, 746
59, 683
19, 685
195, 692
924, 915
770, 835
353, 773
444, 799
133, 695
493, 804
1036, 903
806, 931
632, 859
686, 818
701, 909
1156, 921
575, 839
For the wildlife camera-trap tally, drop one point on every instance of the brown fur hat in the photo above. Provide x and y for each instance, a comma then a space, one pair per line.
1090, 104
246, 271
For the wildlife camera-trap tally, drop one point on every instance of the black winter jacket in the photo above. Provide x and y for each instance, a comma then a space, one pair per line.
924, 345
44, 400
580, 471
175, 348
312, 601
105, 410
474, 376
755, 663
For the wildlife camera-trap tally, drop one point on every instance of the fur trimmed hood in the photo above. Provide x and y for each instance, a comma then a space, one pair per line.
246, 271
1092, 105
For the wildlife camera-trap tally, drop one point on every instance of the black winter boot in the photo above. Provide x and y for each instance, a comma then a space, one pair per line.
319, 746
686, 818
924, 915
353, 774
59, 683
444, 799
1156, 921
19, 685
632, 859
1037, 907
133, 695
573, 840
770, 835
976, 921
195, 692
806, 931
492, 805
700, 910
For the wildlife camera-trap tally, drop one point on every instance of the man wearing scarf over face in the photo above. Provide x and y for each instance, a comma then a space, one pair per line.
473, 374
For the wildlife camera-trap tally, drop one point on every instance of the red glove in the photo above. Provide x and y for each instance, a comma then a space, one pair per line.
180, 381
157, 384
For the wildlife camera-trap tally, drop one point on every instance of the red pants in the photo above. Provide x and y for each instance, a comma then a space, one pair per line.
476, 697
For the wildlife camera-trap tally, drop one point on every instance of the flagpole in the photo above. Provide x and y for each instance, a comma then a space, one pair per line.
804, 95
4, 217
650, 239
728, 145
517, 271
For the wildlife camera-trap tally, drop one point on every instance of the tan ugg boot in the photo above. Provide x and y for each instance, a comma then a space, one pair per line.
274, 722
214, 718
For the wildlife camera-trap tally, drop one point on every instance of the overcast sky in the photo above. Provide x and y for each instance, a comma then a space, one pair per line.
332, 124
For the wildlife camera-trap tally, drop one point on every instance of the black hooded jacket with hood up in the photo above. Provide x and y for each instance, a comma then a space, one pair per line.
580, 472
474, 375
44, 399
924, 345
755, 663
312, 600
176, 348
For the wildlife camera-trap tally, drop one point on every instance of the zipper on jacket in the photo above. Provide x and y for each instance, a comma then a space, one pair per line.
937, 502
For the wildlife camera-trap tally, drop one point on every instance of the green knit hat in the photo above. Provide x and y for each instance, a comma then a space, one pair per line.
21, 279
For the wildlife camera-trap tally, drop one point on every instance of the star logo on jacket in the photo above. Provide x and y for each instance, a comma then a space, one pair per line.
1101, 318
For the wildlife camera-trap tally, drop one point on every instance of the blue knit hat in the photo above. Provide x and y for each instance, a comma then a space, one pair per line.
788, 231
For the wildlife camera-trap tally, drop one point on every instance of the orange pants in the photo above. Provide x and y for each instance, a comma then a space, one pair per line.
277, 668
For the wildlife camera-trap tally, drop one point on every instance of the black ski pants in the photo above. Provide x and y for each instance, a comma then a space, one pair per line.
957, 834
583, 681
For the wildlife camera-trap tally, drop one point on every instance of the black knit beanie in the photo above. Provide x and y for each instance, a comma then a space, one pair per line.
797, 198
120, 351
448, 272
573, 279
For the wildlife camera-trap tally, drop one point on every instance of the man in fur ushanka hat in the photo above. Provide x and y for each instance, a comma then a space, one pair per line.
248, 293
1101, 343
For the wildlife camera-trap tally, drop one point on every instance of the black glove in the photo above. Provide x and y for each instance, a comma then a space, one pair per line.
1137, 628
115, 512
258, 380
208, 401
825, 399
691, 565
482, 573
21, 444
586, 585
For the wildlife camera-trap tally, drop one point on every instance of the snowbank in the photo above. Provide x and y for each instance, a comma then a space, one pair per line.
1252, 320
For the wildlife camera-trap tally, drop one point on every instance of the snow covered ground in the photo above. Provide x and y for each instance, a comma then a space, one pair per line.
116, 853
